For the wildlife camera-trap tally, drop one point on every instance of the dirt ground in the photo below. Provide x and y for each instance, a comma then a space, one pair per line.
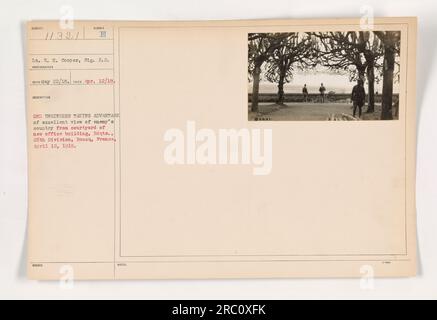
309, 111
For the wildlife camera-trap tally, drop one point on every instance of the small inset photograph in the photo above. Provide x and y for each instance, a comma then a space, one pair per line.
333, 76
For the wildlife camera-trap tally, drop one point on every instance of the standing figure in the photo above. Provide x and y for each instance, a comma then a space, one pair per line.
305, 93
322, 90
358, 97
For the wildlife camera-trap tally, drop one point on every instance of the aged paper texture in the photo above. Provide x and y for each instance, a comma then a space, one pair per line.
192, 150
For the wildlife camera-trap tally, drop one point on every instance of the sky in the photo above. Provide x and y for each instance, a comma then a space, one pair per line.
339, 83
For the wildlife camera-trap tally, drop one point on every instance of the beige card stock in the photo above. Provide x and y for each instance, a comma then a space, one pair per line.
148, 158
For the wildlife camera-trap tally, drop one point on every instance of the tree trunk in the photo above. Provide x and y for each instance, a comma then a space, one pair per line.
255, 90
281, 81
387, 86
371, 84
361, 73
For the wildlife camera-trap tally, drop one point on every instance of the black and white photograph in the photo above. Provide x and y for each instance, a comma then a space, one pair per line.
315, 76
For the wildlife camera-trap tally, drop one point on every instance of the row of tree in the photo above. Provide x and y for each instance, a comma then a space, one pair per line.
366, 55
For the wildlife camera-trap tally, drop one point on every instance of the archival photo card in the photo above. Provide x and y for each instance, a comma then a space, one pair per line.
205, 150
